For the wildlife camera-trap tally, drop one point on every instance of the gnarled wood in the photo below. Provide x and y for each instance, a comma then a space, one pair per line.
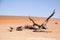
43, 25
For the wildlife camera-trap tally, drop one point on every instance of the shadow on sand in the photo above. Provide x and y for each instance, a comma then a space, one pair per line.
43, 31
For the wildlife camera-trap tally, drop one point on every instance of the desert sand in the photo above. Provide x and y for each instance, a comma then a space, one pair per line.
52, 32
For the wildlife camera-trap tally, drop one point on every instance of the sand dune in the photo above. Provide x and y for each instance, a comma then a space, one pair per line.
52, 33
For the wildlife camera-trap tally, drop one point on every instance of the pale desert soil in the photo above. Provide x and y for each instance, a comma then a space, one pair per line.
52, 33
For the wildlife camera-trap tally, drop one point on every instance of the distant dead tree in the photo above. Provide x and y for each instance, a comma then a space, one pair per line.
56, 22
43, 25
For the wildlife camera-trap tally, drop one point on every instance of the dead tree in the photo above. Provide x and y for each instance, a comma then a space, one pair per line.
11, 29
42, 26
19, 28
35, 24
46, 21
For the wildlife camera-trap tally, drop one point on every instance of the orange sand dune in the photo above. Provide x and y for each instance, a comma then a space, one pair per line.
52, 33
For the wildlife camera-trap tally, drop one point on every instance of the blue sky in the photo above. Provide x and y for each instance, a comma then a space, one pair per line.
30, 7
